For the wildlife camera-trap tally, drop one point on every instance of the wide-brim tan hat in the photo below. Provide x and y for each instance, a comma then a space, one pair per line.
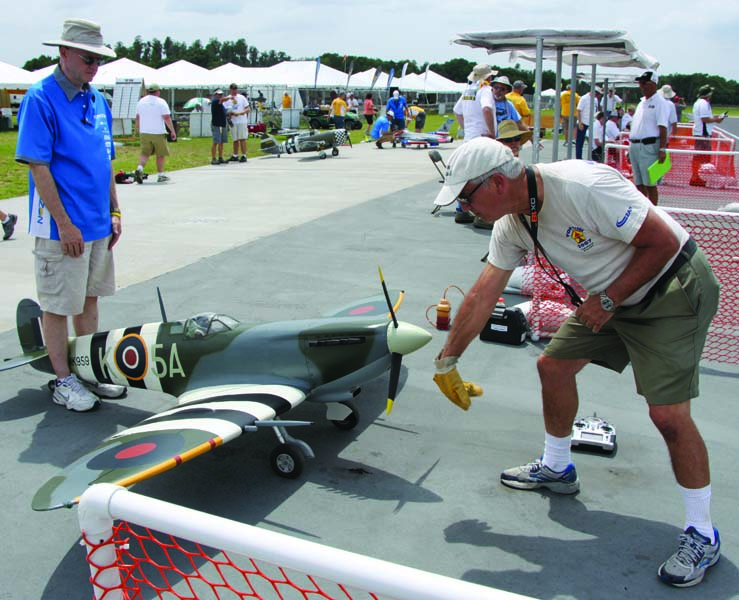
83, 35
481, 71
508, 129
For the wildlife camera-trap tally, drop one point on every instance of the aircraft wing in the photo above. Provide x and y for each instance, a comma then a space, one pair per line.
375, 306
204, 419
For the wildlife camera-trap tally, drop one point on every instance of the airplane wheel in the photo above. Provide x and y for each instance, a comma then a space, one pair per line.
335, 152
351, 421
322, 155
287, 461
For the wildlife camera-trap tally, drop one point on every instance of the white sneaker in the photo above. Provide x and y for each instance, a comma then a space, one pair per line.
72, 395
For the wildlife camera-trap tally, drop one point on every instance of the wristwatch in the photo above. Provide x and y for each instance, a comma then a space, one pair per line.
607, 302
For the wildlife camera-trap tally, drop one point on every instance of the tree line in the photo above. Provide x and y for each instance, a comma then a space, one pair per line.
156, 53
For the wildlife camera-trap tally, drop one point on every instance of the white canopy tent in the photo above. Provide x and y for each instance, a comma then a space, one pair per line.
15, 77
613, 48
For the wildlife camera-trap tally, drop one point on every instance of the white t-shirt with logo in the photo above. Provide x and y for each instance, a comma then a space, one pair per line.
590, 215
651, 114
470, 106
151, 111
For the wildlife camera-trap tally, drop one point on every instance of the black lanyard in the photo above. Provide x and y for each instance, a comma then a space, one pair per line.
533, 230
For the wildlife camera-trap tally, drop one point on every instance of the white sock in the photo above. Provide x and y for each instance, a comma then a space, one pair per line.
557, 453
698, 510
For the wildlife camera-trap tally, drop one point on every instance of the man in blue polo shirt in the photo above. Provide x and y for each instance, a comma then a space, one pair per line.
65, 137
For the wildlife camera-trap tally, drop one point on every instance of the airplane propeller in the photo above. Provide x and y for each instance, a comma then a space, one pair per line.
403, 338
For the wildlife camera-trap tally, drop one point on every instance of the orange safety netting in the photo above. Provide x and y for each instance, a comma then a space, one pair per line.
703, 173
151, 564
716, 233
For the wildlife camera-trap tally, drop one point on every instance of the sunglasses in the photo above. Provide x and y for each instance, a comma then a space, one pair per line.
499, 87
90, 60
467, 199
512, 140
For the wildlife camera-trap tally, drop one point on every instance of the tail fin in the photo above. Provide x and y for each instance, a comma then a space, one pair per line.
446, 127
28, 322
270, 145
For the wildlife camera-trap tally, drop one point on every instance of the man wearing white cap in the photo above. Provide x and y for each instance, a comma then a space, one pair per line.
65, 138
648, 140
669, 94
475, 112
651, 298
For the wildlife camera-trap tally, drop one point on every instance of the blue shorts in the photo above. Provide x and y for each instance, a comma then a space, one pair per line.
219, 134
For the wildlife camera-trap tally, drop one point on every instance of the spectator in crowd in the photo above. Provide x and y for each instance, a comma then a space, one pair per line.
152, 121
648, 141
368, 110
218, 127
668, 94
565, 99
352, 102
504, 109
338, 110
609, 103
598, 132
73, 202
703, 123
613, 134
651, 298
381, 126
475, 113
399, 105
287, 101
519, 102
510, 135
237, 111
8, 220
627, 118
584, 110
418, 115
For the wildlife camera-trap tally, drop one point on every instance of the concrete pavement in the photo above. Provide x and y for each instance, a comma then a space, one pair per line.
294, 237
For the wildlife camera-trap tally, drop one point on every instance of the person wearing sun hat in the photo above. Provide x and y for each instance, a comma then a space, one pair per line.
651, 298
65, 137
475, 114
703, 123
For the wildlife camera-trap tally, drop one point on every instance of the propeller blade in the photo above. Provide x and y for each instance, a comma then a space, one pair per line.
396, 360
387, 298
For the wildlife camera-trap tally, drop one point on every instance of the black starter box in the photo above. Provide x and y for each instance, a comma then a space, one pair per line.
505, 326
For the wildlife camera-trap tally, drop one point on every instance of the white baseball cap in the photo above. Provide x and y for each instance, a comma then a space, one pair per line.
472, 159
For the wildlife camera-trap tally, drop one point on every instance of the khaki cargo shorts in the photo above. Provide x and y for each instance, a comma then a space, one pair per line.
154, 143
662, 338
63, 282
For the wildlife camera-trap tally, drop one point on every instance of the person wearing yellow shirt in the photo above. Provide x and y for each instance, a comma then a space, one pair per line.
338, 109
519, 102
564, 101
418, 115
287, 101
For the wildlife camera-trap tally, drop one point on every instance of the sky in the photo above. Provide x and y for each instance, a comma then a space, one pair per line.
685, 37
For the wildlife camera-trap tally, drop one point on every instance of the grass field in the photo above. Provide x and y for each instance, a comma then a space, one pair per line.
185, 153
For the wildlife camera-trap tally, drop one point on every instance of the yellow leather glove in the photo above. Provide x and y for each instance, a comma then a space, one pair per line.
450, 383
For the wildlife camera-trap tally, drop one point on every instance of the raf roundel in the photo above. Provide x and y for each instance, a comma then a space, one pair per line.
131, 357
145, 450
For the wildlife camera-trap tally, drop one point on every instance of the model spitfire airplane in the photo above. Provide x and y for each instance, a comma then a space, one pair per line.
229, 378
307, 141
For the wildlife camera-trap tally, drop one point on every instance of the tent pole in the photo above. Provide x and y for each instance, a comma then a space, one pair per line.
573, 105
555, 119
537, 97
